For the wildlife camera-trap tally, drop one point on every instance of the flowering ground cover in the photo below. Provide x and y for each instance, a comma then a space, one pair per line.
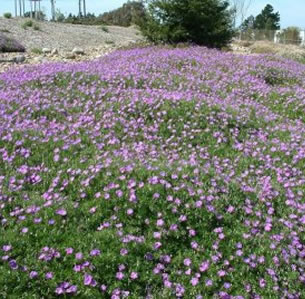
157, 173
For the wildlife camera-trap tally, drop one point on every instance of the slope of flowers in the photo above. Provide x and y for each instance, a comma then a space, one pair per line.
153, 173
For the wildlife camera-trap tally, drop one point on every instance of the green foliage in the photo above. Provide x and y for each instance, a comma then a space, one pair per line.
207, 22
26, 24
105, 29
40, 15
36, 27
267, 19
59, 16
290, 35
248, 23
130, 13
7, 15
36, 51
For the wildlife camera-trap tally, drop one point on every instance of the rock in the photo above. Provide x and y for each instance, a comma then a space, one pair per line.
19, 59
54, 52
78, 51
46, 51
38, 59
70, 56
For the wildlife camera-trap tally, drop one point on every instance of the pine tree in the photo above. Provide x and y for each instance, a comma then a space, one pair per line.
267, 19
203, 22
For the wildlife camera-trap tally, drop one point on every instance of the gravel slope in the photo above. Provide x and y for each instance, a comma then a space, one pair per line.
66, 36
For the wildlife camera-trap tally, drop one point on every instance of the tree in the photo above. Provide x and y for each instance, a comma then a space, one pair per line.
203, 22
59, 16
248, 23
39, 15
239, 9
267, 19
130, 13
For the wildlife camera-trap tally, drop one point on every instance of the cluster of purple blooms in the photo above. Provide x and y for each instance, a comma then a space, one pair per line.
173, 173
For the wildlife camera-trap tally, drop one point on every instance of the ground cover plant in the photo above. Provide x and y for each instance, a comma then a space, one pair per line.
159, 173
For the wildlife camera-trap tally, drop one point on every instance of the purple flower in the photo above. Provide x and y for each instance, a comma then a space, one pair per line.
187, 262
49, 275
6, 248
134, 275
119, 275
61, 212
13, 264
95, 252
33, 274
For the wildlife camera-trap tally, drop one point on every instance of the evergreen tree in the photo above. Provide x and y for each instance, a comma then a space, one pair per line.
248, 23
204, 22
267, 19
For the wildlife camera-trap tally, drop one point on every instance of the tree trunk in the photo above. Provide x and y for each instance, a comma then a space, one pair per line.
16, 8
20, 8
31, 9
80, 8
84, 5
39, 11
35, 10
53, 10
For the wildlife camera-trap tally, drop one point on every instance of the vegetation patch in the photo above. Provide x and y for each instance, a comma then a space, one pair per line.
153, 172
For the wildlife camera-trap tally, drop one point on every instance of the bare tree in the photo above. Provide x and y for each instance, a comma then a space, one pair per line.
240, 9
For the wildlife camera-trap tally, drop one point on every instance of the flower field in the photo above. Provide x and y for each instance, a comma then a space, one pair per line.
153, 173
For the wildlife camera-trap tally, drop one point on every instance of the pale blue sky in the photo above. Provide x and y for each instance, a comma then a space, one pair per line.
292, 11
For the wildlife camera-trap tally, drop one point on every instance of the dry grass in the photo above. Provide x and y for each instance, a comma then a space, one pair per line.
266, 47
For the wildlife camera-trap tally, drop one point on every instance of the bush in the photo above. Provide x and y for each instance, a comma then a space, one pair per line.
203, 22
36, 27
26, 24
105, 29
290, 35
10, 45
7, 15
37, 51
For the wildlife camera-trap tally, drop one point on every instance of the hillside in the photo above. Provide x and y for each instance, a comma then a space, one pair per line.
66, 36
95, 41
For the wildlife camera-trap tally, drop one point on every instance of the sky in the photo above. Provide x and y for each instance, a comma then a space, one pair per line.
292, 11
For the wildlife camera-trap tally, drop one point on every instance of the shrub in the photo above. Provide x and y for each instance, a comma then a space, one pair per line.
26, 24
290, 35
36, 51
7, 15
36, 27
109, 42
105, 29
10, 45
207, 22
